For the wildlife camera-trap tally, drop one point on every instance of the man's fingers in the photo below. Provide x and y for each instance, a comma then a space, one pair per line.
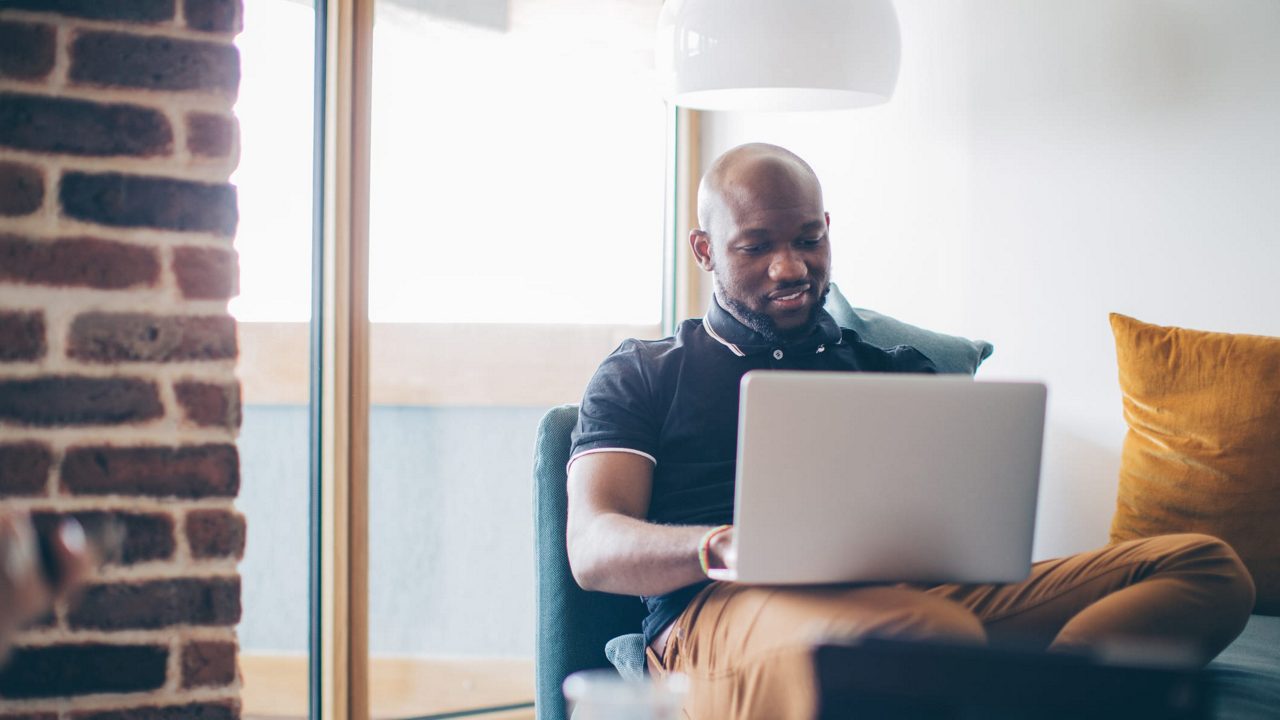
726, 548
731, 555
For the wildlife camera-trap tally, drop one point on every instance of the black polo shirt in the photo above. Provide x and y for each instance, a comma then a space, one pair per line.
675, 402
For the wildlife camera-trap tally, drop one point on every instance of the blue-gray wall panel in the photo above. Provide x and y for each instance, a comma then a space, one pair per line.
450, 538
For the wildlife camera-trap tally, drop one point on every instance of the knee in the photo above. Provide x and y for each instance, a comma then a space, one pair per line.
1218, 569
1234, 575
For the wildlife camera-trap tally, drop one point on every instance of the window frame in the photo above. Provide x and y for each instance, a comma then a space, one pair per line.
338, 658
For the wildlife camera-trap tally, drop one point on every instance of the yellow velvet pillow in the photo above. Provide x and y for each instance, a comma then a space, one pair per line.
1203, 449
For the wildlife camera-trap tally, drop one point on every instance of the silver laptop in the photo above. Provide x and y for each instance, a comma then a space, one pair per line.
861, 477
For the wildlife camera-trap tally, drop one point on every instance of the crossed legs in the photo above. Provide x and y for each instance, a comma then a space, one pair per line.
747, 649
1186, 589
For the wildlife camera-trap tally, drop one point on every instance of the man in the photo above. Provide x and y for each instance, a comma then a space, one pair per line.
652, 471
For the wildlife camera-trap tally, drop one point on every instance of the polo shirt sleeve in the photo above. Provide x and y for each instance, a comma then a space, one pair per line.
617, 411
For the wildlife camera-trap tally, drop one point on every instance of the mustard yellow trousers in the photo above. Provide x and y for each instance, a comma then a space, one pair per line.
746, 649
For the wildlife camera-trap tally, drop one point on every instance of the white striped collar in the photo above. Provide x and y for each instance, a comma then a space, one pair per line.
706, 325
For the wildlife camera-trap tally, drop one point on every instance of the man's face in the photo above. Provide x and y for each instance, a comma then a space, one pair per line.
771, 256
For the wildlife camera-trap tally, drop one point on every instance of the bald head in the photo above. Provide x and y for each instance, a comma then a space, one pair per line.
749, 177
763, 236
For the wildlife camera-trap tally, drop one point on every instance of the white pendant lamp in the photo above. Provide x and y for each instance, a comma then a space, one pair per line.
777, 54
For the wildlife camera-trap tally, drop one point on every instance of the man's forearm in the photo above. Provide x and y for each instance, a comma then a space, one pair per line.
620, 554
612, 548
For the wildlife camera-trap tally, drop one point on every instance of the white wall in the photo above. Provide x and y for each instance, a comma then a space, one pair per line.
1044, 164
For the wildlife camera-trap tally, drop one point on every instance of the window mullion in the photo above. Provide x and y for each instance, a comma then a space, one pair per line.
345, 352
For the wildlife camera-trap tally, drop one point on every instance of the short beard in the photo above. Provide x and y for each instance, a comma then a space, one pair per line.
765, 325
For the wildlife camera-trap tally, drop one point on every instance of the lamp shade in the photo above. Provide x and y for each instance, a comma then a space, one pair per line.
777, 54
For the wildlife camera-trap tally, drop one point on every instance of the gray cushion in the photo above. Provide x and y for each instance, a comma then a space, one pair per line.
626, 652
949, 353
1246, 676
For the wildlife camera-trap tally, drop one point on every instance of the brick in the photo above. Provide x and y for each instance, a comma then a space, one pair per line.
151, 202
151, 62
78, 127
206, 273
213, 15
224, 710
21, 189
139, 337
77, 262
194, 471
210, 134
158, 604
143, 536
215, 534
26, 50
206, 664
24, 468
46, 621
54, 400
139, 11
82, 669
21, 334
210, 404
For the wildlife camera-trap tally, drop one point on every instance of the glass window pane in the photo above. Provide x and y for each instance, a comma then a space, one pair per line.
275, 109
517, 200
517, 168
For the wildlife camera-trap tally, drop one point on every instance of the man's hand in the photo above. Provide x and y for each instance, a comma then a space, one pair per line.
722, 552
25, 590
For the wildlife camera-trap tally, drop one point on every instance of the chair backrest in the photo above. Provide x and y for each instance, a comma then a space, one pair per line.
573, 624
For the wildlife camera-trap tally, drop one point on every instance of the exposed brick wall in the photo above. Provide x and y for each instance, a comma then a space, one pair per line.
119, 403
